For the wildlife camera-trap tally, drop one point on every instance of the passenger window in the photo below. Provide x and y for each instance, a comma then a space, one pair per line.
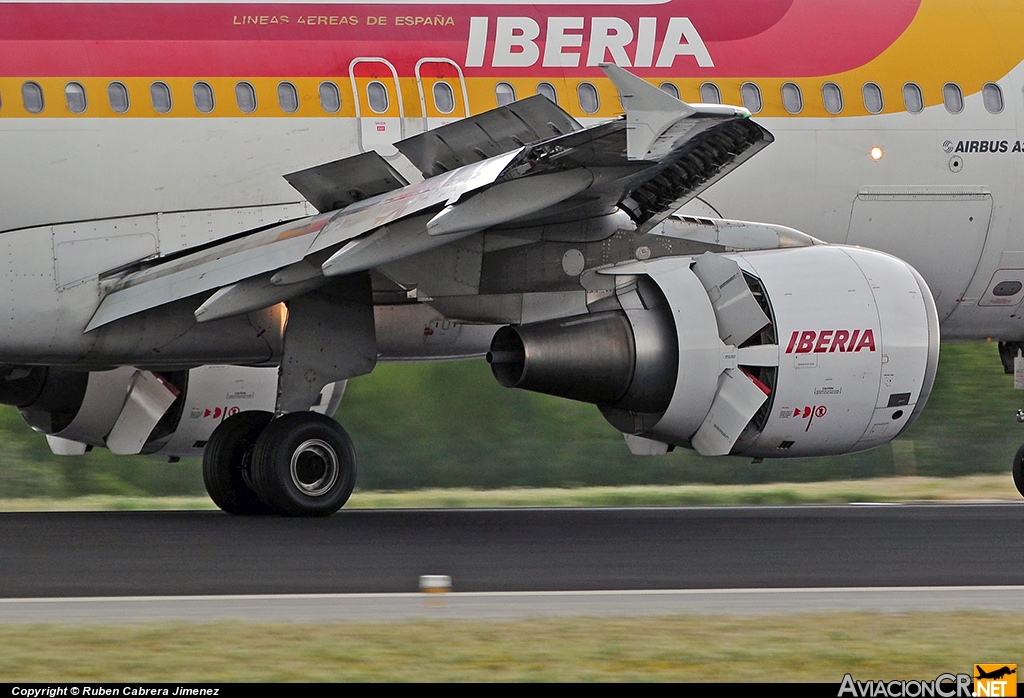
587, 94
377, 95
444, 97
872, 94
74, 97
913, 98
548, 90
669, 88
330, 98
953, 98
504, 93
288, 97
245, 97
160, 95
32, 97
202, 96
117, 95
792, 98
992, 96
751, 96
832, 98
710, 94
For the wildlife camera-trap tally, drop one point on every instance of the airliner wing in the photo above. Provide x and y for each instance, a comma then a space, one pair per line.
648, 163
284, 245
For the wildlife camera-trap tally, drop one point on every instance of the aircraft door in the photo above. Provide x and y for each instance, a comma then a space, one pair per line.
442, 90
379, 107
941, 231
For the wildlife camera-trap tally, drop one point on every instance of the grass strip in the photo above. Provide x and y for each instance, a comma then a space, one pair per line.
977, 488
811, 647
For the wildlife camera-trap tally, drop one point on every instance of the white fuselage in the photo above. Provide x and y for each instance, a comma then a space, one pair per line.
954, 216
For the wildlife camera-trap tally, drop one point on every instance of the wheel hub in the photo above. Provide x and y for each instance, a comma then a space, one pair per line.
314, 467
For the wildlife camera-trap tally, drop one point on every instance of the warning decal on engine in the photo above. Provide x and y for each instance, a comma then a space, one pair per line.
806, 412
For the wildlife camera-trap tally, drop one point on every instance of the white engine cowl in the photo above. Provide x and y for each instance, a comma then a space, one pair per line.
135, 411
811, 351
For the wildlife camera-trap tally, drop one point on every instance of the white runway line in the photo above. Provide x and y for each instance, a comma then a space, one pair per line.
331, 608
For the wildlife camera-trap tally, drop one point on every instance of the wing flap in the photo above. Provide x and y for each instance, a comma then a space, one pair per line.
212, 268
281, 246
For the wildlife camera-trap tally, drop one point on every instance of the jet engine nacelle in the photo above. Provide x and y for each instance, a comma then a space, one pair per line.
819, 350
135, 411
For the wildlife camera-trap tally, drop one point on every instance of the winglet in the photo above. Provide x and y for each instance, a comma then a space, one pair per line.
649, 111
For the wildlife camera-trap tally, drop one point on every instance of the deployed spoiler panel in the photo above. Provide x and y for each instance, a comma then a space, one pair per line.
486, 135
341, 183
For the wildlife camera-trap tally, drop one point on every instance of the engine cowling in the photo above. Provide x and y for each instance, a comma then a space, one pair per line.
820, 350
77, 410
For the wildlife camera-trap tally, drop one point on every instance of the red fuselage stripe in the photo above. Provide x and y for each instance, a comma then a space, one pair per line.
744, 38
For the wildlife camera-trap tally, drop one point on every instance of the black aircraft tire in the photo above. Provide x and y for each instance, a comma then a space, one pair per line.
1018, 470
227, 456
304, 464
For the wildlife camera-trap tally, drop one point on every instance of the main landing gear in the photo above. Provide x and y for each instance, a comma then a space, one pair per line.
1018, 461
300, 464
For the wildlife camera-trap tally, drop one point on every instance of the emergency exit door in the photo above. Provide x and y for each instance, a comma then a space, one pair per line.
442, 91
379, 108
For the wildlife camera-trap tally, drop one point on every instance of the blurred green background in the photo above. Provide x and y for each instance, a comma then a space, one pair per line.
452, 425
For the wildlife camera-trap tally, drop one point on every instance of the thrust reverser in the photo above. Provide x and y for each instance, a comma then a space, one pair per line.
814, 351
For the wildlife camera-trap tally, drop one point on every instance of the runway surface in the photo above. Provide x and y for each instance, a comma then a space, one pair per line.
511, 550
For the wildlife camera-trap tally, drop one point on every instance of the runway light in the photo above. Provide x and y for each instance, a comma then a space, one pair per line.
435, 586
435, 583
876, 153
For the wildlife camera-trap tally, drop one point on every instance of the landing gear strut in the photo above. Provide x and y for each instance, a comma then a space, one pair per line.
300, 464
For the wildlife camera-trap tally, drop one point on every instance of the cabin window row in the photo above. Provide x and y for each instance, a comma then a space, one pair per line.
586, 95
161, 99
871, 95
378, 97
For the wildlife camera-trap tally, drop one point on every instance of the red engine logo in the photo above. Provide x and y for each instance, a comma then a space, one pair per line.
828, 341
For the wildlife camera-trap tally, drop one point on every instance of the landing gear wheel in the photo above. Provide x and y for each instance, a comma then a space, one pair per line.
304, 464
226, 463
1018, 470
